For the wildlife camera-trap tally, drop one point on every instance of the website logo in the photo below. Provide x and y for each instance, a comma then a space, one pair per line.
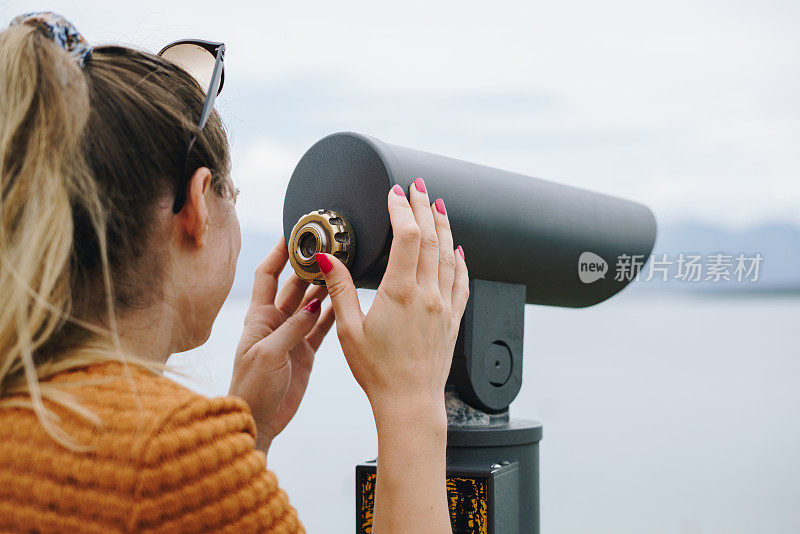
591, 267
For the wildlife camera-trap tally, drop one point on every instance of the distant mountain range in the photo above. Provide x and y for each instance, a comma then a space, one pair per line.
255, 245
778, 244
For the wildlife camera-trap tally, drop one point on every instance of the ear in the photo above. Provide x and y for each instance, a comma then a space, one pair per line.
193, 217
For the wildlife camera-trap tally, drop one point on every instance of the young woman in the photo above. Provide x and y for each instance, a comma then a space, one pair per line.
118, 245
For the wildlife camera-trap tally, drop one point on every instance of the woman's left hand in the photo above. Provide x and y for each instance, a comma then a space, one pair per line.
282, 331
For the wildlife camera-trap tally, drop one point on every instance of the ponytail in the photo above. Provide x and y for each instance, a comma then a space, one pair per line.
45, 104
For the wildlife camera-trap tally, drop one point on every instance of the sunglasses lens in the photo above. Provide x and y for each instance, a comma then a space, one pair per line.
194, 59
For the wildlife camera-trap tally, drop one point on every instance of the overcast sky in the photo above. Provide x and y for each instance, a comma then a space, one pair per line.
690, 107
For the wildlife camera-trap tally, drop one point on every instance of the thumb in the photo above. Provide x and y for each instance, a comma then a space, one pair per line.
342, 292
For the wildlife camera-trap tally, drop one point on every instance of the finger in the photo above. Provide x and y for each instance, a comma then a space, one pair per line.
291, 294
460, 284
292, 331
322, 327
314, 292
404, 253
342, 291
447, 257
428, 263
265, 283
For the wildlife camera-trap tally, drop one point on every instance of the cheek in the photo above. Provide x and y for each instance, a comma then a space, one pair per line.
230, 246
235, 242
223, 249
237, 236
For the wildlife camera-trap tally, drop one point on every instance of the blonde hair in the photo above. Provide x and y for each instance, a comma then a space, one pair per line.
85, 155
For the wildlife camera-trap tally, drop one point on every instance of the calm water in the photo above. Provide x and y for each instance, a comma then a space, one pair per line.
661, 414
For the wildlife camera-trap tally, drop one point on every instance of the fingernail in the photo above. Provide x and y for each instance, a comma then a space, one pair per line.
324, 262
313, 306
398, 190
461, 252
419, 183
440, 206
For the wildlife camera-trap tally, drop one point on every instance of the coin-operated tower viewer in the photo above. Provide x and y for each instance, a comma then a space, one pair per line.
529, 241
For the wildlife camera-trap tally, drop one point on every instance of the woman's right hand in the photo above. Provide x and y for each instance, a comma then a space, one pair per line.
400, 352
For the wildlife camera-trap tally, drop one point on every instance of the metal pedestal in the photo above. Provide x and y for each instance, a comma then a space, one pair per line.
504, 458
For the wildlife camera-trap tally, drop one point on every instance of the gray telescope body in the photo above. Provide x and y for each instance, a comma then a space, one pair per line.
513, 228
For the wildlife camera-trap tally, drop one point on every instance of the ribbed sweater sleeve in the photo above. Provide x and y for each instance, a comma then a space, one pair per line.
163, 459
200, 472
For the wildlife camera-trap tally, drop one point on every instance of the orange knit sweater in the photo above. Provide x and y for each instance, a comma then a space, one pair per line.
165, 460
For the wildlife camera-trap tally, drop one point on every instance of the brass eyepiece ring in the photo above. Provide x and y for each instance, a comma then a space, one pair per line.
320, 231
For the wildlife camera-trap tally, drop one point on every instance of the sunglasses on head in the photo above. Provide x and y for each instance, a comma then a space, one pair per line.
204, 61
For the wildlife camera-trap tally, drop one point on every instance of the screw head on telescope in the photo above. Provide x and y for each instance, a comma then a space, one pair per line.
320, 231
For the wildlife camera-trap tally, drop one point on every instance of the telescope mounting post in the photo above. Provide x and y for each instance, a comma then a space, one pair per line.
487, 361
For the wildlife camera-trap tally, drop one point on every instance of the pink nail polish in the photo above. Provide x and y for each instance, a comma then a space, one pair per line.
461, 252
419, 183
398, 190
313, 306
324, 263
440, 206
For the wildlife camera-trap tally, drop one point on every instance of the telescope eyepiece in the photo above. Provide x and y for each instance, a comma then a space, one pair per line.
307, 244
320, 231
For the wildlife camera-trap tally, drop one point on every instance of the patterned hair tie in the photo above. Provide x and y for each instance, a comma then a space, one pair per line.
60, 30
